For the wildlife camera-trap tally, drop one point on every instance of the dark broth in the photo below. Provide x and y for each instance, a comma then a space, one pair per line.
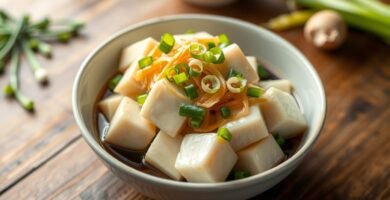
136, 159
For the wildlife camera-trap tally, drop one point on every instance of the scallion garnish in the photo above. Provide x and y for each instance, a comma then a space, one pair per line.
167, 43
180, 78
234, 73
210, 45
241, 174
280, 140
224, 133
193, 111
196, 67
223, 40
191, 91
236, 84
114, 81
181, 67
262, 72
225, 112
170, 73
141, 99
218, 54
254, 91
209, 57
146, 61
196, 122
210, 84
197, 50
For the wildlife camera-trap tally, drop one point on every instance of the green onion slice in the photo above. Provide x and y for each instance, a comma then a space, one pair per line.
234, 73
170, 73
114, 81
209, 57
223, 40
196, 67
262, 72
218, 54
193, 111
191, 91
141, 99
241, 174
210, 84
254, 91
181, 67
167, 43
235, 84
196, 122
224, 133
146, 61
180, 78
225, 112
197, 50
210, 45
280, 140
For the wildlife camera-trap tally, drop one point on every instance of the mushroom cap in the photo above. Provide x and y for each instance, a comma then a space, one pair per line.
326, 30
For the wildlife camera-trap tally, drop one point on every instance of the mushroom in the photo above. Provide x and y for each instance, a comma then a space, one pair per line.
326, 30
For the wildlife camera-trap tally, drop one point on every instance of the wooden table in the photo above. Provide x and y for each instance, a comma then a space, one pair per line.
43, 155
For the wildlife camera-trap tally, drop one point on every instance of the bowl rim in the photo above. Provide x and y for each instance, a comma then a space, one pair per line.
316, 129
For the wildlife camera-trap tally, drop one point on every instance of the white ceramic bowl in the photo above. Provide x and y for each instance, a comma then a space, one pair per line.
284, 60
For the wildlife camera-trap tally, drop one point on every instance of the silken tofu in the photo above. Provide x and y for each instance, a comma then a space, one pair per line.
135, 52
162, 107
282, 114
260, 156
205, 158
128, 86
253, 61
281, 84
128, 129
108, 106
162, 154
247, 130
235, 59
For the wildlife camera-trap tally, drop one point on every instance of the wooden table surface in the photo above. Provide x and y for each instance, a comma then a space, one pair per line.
43, 155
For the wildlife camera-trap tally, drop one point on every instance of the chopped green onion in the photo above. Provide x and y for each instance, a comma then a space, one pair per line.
196, 122
197, 50
236, 84
234, 73
191, 91
241, 174
262, 72
167, 42
218, 54
225, 112
180, 78
223, 40
114, 81
224, 133
196, 67
210, 84
209, 57
146, 61
193, 111
254, 91
210, 45
170, 73
181, 67
141, 99
280, 140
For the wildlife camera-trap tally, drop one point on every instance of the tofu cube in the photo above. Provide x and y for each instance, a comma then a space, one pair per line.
281, 84
253, 61
109, 105
235, 59
135, 52
260, 157
247, 130
205, 158
162, 107
162, 154
128, 129
128, 86
282, 114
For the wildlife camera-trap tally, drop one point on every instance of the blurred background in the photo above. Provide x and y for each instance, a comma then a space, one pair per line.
43, 156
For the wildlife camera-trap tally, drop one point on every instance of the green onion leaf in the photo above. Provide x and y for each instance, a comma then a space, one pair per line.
114, 81
196, 122
223, 40
210, 45
218, 54
141, 99
193, 111
167, 43
280, 140
224, 133
191, 91
254, 91
146, 61
197, 50
234, 73
225, 112
180, 78
262, 72
241, 174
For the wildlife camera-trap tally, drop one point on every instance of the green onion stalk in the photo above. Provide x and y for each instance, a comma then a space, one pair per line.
40, 73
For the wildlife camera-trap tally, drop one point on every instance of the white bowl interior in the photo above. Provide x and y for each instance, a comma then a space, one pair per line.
283, 59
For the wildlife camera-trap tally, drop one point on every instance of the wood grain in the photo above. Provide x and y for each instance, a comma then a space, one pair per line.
42, 155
